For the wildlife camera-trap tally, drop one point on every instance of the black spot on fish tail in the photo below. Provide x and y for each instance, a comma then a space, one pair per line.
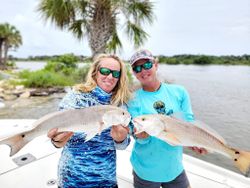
235, 159
236, 152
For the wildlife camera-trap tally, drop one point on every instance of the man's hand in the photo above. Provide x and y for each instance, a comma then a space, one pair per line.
59, 139
119, 133
201, 151
142, 135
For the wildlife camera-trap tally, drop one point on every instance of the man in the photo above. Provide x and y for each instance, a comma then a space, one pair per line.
156, 163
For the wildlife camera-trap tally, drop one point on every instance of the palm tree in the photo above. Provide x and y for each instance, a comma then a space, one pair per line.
100, 20
10, 38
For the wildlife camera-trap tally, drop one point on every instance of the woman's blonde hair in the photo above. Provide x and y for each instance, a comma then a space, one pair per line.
120, 93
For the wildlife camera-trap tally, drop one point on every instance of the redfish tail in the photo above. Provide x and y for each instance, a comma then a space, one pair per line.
15, 143
242, 161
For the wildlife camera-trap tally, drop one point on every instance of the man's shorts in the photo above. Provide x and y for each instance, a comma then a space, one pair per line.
180, 181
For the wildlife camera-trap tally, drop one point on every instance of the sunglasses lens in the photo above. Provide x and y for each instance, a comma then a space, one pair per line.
116, 74
147, 65
105, 71
137, 69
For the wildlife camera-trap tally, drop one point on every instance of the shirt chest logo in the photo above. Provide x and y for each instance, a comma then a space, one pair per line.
160, 108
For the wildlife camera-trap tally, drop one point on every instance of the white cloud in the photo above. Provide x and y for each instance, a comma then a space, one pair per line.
216, 27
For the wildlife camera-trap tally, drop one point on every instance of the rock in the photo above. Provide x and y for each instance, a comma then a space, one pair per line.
2, 105
20, 87
9, 97
46, 91
1, 96
39, 93
25, 95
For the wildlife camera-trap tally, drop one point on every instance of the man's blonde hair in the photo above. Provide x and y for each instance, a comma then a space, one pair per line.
121, 93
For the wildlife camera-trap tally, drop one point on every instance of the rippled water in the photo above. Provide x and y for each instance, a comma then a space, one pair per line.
220, 97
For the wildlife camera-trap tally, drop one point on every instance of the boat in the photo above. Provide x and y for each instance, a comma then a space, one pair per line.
36, 165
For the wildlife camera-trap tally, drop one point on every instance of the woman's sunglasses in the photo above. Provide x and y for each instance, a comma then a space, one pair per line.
106, 72
146, 66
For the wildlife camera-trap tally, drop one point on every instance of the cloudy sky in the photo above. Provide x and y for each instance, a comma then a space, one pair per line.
212, 27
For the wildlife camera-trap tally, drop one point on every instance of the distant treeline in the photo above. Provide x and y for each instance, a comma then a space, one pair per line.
205, 59
46, 58
177, 59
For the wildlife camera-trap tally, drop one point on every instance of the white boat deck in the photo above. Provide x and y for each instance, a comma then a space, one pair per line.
36, 165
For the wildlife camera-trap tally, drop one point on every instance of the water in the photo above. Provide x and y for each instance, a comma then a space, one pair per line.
220, 97
35, 65
30, 65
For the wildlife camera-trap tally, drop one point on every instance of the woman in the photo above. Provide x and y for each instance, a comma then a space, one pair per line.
93, 163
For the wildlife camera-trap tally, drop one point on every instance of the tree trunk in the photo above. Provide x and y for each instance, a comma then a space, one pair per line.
101, 27
5, 51
1, 47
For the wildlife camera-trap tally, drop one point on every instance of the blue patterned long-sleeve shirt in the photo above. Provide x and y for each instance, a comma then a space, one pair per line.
89, 164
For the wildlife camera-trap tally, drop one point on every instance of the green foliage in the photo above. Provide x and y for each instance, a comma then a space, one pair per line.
202, 60
61, 71
129, 73
44, 79
11, 64
10, 38
24, 74
205, 60
170, 60
80, 74
65, 63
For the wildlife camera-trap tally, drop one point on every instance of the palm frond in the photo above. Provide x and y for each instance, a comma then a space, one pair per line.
98, 20
136, 33
140, 11
115, 43
79, 28
60, 12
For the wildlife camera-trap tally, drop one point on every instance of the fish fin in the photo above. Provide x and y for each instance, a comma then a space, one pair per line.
208, 129
15, 143
89, 136
242, 161
97, 128
100, 127
170, 138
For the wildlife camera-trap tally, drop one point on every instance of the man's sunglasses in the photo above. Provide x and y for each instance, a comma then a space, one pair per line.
106, 72
146, 66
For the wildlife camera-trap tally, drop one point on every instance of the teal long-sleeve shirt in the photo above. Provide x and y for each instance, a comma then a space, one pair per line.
153, 159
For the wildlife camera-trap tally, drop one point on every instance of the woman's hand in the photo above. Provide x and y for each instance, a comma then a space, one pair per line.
201, 151
59, 139
119, 133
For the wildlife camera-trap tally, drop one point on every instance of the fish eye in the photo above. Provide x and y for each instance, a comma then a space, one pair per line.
123, 113
143, 119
